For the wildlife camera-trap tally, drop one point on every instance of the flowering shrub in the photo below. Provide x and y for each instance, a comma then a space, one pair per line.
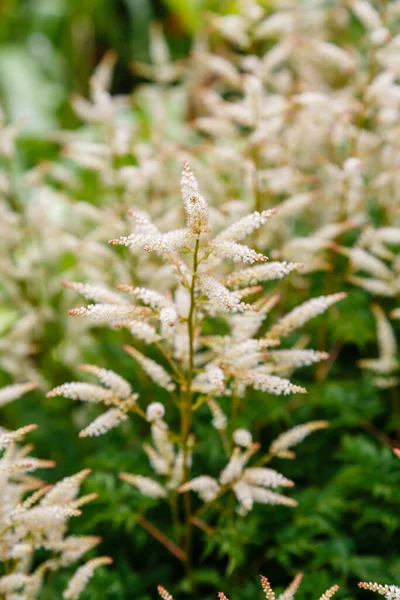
34, 516
195, 368
289, 116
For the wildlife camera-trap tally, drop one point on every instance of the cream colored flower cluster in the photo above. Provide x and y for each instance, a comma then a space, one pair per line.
289, 111
288, 594
35, 516
194, 368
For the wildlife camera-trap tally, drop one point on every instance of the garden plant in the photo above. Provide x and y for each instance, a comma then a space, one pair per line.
227, 392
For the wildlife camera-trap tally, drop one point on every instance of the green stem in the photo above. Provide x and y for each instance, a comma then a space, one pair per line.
171, 363
175, 515
186, 415
235, 411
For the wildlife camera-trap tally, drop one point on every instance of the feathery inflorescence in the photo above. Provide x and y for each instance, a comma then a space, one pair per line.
34, 517
192, 376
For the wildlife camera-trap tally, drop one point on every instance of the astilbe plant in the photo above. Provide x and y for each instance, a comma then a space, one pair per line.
283, 109
58, 214
298, 111
41, 241
212, 347
391, 592
270, 78
288, 594
34, 519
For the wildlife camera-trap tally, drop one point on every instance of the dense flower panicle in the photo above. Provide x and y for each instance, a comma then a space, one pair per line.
329, 593
41, 518
294, 436
145, 231
80, 579
200, 286
149, 297
385, 382
386, 363
269, 383
263, 496
168, 319
249, 485
189, 185
202, 384
15, 391
165, 595
237, 462
375, 287
120, 397
96, 293
254, 275
155, 411
247, 291
245, 226
13, 582
108, 420
146, 486
367, 14
296, 358
391, 592
219, 420
242, 437
21, 466
73, 547
155, 371
178, 469
65, 490
108, 378
247, 324
162, 243
244, 496
168, 242
224, 353
216, 377
292, 588
232, 349
8, 437
236, 252
266, 477
158, 462
196, 206
331, 56
205, 486
361, 260
303, 313
112, 313
234, 467
267, 589
388, 235
36, 521
160, 436
29, 463
143, 331
220, 296
386, 338
87, 392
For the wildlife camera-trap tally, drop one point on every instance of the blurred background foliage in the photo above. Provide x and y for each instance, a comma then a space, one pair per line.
347, 481
49, 48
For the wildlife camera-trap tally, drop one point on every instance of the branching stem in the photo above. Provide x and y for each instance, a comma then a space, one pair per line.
186, 414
